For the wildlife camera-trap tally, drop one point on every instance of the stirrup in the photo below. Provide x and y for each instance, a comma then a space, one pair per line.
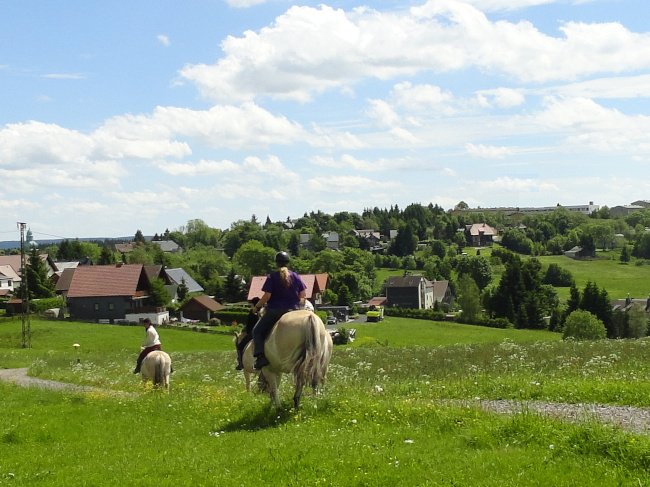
261, 362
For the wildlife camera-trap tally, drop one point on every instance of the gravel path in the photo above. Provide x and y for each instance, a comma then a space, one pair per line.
20, 377
629, 418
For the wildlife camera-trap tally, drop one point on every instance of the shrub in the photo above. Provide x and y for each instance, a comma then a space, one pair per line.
341, 337
418, 314
557, 276
40, 305
582, 325
230, 316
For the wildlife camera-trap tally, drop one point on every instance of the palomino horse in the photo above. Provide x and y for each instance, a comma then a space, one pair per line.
156, 367
298, 344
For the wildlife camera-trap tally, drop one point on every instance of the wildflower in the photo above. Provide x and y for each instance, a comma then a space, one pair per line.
379, 389
408, 441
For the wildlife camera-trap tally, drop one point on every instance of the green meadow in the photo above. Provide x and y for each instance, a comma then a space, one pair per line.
388, 414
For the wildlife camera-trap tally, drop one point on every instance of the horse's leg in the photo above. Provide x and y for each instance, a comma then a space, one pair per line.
247, 378
297, 394
272, 379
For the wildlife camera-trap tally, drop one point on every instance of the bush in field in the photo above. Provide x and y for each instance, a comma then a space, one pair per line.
557, 276
582, 325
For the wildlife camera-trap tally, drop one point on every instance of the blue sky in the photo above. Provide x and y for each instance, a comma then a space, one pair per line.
119, 116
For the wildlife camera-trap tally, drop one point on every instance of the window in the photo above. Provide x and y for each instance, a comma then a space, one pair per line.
111, 306
96, 306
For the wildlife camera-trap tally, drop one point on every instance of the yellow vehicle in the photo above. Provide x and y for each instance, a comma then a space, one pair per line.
375, 313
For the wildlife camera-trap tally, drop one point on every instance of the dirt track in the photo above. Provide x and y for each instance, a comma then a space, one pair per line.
20, 377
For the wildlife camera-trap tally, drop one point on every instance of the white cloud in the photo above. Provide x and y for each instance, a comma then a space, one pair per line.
588, 124
163, 39
382, 113
423, 97
621, 87
348, 184
200, 168
500, 98
488, 151
498, 5
64, 76
245, 3
509, 184
338, 48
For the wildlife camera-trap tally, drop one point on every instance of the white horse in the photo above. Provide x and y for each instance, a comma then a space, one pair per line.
156, 367
298, 344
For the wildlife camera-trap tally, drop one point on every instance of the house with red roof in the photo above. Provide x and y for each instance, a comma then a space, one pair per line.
316, 286
111, 292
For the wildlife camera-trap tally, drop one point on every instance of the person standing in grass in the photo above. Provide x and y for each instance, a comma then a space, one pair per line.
283, 291
151, 343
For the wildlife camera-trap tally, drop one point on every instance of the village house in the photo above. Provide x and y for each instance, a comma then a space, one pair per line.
480, 234
106, 293
415, 292
200, 308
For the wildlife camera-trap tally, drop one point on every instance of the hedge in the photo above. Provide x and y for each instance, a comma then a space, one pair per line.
241, 316
418, 314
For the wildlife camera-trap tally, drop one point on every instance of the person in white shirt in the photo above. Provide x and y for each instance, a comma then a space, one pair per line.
151, 343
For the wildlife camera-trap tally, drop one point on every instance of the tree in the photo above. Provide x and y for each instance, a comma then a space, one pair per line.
596, 301
38, 284
139, 238
158, 295
469, 299
254, 259
625, 255
182, 290
582, 325
557, 276
478, 267
405, 243
106, 257
344, 296
232, 290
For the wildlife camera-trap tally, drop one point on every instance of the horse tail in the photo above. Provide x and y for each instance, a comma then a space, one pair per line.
159, 373
312, 368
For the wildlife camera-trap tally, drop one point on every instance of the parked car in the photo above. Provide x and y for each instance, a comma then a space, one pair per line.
331, 320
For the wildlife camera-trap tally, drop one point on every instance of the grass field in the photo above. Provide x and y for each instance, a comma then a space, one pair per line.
381, 419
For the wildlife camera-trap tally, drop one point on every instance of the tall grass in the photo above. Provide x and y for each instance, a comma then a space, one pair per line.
382, 419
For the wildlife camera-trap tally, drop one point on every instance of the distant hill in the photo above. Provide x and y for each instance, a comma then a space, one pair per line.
15, 244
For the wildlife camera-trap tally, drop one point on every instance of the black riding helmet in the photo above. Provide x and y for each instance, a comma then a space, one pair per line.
281, 259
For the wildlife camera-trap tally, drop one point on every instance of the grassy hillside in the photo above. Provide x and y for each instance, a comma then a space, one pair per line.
606, 271
384, 418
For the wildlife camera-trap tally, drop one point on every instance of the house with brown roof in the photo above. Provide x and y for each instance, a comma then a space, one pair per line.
200, 308
480, 234
316, 285
111, 292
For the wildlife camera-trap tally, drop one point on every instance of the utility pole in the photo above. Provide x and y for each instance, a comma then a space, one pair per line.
24, 291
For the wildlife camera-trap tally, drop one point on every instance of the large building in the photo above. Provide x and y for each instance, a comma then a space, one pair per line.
511, 210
